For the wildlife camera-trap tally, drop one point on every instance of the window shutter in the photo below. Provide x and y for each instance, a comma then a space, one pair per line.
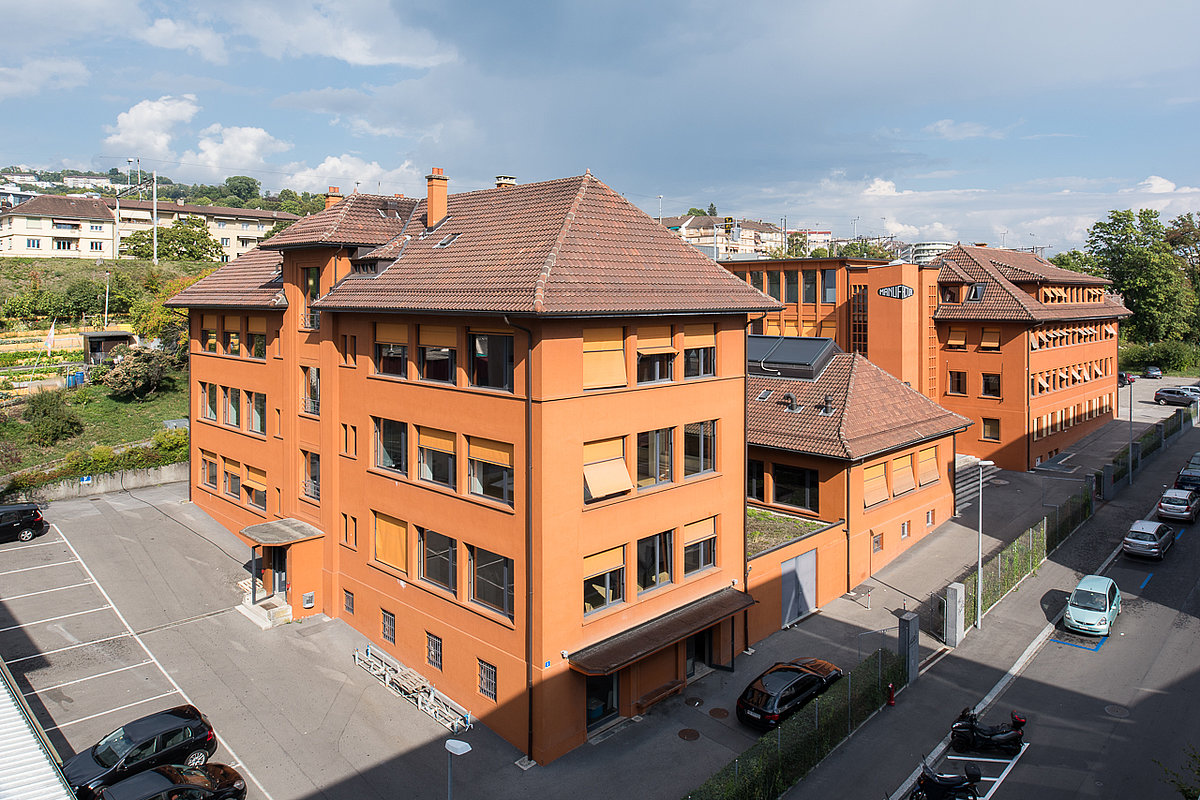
233, 323
607, 561
603, 358
232, 466
958, 337
208, 321
928, 466
875, 488
902, 475
391, 541
255, 478
437, 336
829, 328
256, 325
695, 531
433, 439
492, 452
991, 338
391, 333
603, 450
699, 336
654, 340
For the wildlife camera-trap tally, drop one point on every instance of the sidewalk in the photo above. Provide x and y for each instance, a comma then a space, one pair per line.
893, 743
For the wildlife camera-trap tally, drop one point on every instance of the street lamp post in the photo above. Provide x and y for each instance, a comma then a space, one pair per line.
979, 559
454, 747
1131, 431
106, 274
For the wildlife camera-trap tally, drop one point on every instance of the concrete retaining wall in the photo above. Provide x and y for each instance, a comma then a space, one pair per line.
110, 482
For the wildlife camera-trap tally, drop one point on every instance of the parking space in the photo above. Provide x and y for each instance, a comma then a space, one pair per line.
81, 667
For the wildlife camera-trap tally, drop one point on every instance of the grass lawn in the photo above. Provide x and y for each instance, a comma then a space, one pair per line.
765, 530
106, 420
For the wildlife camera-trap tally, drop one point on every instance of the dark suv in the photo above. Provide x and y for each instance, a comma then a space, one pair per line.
783, 690
177, 736
21, 522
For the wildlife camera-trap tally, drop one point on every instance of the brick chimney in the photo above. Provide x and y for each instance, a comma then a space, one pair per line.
435, 199
333, 197
505, 181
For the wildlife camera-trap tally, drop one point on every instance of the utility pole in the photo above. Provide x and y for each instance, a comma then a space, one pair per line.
854, 226
154, 224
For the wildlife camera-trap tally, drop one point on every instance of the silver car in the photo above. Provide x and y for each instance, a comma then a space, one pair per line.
1179, 504
1147, 538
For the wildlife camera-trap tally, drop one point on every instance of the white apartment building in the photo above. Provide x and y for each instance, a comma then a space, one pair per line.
60, 226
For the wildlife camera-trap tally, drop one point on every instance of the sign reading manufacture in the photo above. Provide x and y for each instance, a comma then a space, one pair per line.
897, 292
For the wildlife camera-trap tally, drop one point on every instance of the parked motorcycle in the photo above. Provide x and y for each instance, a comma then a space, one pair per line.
936, 786
967, 734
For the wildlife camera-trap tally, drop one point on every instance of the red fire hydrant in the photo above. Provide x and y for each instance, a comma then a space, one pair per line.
891, 694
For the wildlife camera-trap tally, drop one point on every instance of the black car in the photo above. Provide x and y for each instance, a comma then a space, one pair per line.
783, 690
1188, 479
1175, 397
210, 782
177, 736
21, 522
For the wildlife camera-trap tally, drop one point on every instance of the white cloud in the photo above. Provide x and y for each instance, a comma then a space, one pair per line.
346, 170
359, 32
146, 129
881, 188
1159, 185
228, 151
956, 131
174, 35
40, 75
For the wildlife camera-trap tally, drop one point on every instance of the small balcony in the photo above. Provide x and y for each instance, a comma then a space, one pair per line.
310, 405
310, 321
311, 489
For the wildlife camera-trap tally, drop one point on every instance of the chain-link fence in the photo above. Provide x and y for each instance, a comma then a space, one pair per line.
1024, 554
785, 755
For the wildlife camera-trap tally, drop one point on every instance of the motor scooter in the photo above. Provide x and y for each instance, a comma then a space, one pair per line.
933, 785
967, 734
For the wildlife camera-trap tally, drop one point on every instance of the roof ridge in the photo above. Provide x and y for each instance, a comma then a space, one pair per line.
845, 403
543, 278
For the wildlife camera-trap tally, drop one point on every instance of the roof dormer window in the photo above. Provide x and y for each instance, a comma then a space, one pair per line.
447, 240
975, 293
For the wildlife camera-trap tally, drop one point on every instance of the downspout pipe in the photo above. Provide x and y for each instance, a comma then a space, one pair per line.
746, 466
528, 530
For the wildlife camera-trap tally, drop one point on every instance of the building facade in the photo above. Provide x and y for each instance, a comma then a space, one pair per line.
834, 438
58, 226
1025, 350
500, 433
721, 237
239, 230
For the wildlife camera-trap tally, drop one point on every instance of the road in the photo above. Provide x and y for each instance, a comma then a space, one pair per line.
1102, 711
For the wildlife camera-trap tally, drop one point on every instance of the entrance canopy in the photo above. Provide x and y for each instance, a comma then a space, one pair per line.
281, 531
617, 652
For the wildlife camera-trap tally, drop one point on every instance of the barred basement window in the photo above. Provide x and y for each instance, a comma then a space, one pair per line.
487, 680
389, 627
433, 650
348, 601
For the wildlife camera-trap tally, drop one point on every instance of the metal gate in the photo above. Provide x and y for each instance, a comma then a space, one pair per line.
799, 586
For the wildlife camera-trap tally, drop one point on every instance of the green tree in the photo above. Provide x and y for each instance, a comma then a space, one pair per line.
1187, 780
864, 249
151, 319
242, 186
187, 239
797, 243
1132, 251
819, 252
695, 212
1077, 261
138, 371
49, 417
712, 209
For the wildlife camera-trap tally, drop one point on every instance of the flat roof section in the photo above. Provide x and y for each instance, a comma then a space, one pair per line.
627, 647
29, 769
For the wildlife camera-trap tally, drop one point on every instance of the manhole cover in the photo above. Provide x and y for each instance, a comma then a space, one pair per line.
718, 713
1120, 712
689, 734
694, 702
996, 482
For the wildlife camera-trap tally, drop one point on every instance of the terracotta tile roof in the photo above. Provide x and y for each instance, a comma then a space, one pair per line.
249, 281
570, 246
358, 220
1007, 275
170, 206
871, 412
64, 206
706, 222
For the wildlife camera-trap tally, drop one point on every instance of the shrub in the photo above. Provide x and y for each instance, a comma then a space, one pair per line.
50, 418
173, 444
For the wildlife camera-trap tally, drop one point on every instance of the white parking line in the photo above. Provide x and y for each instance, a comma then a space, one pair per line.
88, 678
112, 710
40, 566
68, 647
151, 656
54, 619
27, 546
44, 591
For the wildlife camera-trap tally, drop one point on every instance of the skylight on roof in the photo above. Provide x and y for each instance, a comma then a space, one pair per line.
447, 240
764, 394
975, 293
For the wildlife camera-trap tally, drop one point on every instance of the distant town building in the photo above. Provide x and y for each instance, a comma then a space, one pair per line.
719, 238
62, 226
239, 230
924, 252
87, 182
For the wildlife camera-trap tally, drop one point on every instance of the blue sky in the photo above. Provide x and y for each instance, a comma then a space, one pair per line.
1017, 123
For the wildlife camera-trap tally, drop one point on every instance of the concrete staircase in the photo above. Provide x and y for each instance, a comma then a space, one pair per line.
966, 482
269, 612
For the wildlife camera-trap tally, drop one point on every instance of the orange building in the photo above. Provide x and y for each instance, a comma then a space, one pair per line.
833, 437
501, 433
1025, 350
